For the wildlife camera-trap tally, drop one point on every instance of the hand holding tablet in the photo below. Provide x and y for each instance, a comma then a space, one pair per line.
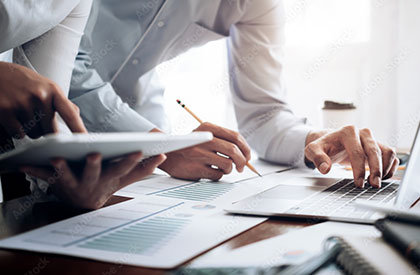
84, 170
75, 147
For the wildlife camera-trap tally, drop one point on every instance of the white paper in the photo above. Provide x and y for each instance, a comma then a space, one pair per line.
197, 207
145, 232
231, 188
290, 248
173, 220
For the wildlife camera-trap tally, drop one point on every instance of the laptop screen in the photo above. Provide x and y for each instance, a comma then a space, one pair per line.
409, 190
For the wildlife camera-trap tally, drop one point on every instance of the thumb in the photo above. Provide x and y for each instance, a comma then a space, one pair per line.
316, 154
144, 169
154, 162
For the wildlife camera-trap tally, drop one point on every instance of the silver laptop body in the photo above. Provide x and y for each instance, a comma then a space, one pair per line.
316, 199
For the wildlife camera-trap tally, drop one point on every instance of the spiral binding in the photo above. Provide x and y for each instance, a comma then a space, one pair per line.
350, 260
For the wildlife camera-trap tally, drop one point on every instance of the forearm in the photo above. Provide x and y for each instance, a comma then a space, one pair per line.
53, 54
22, 21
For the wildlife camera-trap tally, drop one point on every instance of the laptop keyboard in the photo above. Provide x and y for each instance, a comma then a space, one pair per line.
338, 199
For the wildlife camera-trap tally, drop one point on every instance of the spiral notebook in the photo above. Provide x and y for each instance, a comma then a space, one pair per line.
361, 251
370, 255
342, 255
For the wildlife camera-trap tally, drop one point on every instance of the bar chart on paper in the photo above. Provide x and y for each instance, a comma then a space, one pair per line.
199, 191
97, 224
141, 238
203, 191
231, 187
147, 231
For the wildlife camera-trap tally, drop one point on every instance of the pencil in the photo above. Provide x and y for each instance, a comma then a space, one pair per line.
252, 168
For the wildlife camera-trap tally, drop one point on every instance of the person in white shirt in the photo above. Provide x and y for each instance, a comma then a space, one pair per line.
45, 35
116, 88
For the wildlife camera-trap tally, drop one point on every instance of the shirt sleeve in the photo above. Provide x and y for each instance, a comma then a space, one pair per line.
259, 96
22, 21
101, 109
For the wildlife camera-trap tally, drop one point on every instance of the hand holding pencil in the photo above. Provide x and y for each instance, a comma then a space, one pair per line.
230, 137
210, 160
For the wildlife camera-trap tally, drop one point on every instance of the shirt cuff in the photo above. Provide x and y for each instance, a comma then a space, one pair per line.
126, 120
103, 111
291, 147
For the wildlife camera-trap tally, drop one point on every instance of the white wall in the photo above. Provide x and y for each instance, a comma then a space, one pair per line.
365, 51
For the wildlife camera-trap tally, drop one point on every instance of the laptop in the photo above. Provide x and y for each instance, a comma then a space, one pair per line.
320, 198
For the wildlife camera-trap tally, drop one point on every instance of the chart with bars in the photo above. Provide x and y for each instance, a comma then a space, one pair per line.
143, 237
147, 231
231, 187
200, 191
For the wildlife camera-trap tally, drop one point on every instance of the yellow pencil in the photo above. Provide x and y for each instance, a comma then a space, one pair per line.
252, 168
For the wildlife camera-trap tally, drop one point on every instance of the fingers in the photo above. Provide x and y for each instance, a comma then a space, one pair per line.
315, 153
228, 149
228, 135
225, 164
211, 173
351, 141
393, 169
388, 158
30, 120
122, 167
44, 111
69, 112
65, 174
38, 172
35, 112
92, 170
374, 157
48, 120
142, 170
12, 126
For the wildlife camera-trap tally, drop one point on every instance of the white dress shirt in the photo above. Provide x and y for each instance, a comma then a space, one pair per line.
116, 88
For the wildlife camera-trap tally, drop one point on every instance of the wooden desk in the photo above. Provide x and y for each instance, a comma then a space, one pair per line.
24, 214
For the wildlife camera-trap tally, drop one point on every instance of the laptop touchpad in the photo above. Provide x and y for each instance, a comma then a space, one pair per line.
290, 192
298, 188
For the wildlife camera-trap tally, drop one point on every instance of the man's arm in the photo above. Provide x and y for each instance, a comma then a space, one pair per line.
255, 55
22, 21
101, 109
40, 92
256, 68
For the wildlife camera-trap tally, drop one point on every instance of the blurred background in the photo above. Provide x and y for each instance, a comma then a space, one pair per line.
361, 51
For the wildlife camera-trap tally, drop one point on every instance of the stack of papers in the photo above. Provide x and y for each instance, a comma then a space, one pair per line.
145, 232
167, 223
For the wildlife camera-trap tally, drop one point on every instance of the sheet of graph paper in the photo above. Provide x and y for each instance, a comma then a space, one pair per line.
147, 231
231, 188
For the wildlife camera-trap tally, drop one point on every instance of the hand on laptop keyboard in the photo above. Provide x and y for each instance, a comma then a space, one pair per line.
349, 145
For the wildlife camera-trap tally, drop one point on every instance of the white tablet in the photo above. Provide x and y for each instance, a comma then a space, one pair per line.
76, 147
